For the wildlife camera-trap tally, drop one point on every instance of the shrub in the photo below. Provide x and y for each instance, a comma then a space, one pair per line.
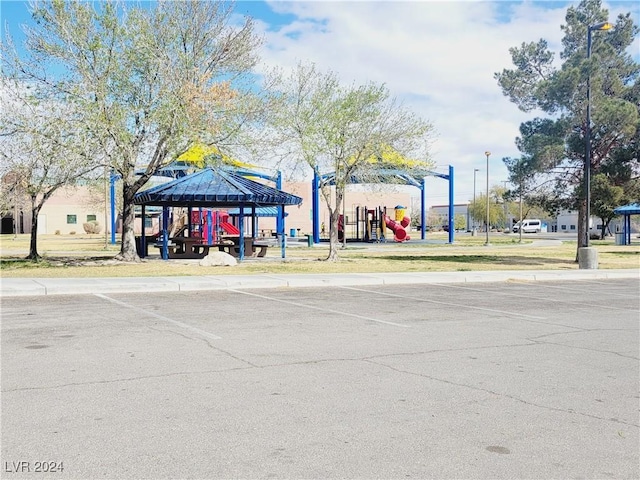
57, 232
72, 232
91, 227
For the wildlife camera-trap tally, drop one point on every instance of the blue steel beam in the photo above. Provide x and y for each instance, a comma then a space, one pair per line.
451, 219
423, 209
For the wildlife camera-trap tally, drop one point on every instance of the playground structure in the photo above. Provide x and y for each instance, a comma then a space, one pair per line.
370, 225
398, 229
205, 223
393, 176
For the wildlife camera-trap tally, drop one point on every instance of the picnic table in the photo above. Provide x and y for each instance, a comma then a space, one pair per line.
197, 248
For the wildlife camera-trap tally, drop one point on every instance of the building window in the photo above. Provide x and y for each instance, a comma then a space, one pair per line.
148, 222
572, 227
91, 218
72, 219
563, 227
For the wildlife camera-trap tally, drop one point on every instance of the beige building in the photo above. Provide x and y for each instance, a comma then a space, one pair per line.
68, 209
64, 213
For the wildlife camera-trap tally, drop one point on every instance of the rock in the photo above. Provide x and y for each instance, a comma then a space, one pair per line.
218, 259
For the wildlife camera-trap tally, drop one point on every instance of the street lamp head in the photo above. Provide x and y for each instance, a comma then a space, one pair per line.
476, 169
487, 153
601, 26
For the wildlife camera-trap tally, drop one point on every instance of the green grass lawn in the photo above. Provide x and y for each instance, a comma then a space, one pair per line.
86, 256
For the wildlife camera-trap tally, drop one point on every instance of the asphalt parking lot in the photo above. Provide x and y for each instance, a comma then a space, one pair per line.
489, 380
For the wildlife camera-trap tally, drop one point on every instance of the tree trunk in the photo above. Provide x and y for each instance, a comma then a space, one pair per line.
605, 227
334, 214
128, 251
33, 243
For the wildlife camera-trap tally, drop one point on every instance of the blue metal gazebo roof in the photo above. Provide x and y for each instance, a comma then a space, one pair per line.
214, 187
631, 209
627, 211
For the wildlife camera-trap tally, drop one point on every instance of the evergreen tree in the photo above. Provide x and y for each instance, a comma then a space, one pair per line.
553, 148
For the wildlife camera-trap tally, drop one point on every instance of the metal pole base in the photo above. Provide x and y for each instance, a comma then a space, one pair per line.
587, 258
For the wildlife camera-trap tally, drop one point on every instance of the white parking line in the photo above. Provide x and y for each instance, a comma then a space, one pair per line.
160, 317
471, 307
328, 310
531, 297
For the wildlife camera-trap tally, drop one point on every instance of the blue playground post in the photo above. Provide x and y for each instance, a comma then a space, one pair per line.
315, 205
451, 219
165, 233
423, 208
112, 190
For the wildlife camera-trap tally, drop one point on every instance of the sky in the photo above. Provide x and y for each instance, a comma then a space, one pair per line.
438, 57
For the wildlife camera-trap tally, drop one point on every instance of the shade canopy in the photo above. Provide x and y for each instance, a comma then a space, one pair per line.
214, 187
631, 209
626, 211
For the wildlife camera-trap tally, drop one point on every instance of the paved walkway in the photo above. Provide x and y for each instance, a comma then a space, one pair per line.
11, 287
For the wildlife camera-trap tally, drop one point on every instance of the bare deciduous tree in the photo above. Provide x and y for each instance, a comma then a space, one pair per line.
147, 81
354, 131
44, 147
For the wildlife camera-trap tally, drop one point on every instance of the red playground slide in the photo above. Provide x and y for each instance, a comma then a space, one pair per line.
400, 234
229, 228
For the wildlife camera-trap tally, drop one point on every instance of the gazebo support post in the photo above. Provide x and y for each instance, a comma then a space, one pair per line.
281, 231
627, 229
209, 226
165, 233
254, 222
143, 239
241, 229
280, 220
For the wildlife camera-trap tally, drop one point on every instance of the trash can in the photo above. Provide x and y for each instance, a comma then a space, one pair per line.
292, 233
309, 240
139, 249
620, 240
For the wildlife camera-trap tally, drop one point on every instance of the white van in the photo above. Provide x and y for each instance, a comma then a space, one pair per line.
531, 225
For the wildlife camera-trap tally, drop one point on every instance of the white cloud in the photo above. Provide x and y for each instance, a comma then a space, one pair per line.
439, 57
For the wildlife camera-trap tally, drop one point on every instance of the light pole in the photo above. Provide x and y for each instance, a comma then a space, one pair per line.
504, 204
487, 153
587, 136
589, 259
475, 170
520, 214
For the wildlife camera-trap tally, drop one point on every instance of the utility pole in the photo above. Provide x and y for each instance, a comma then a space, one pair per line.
487, 153
520, 229
475, 170
504, 201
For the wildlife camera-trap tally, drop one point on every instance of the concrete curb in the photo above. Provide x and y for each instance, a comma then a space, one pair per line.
19, 287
